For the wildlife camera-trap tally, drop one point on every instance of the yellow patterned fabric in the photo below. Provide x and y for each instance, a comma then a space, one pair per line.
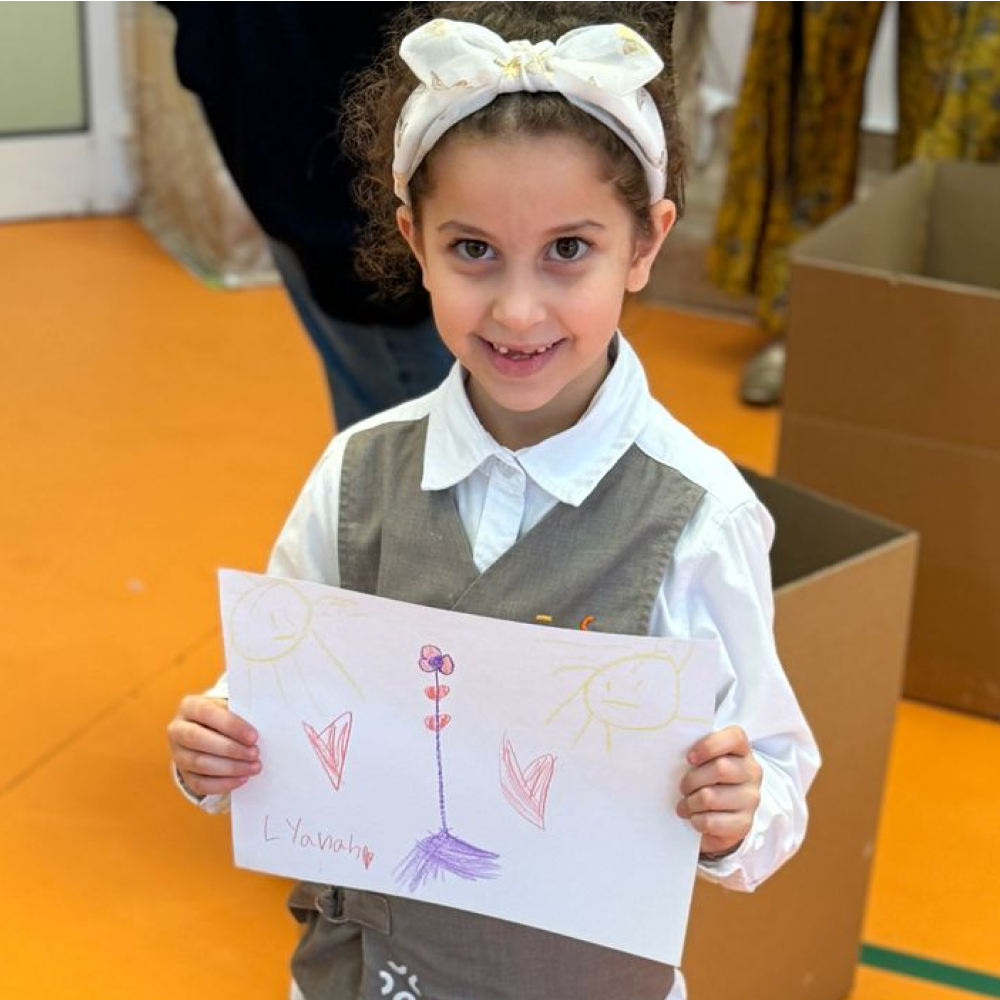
795, 135
949, 82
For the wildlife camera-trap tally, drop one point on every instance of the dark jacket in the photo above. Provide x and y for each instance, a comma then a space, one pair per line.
269, 77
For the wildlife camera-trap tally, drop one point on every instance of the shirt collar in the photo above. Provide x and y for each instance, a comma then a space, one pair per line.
568, 465
457, 443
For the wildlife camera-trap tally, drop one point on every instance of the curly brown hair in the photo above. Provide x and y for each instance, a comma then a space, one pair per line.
376, 97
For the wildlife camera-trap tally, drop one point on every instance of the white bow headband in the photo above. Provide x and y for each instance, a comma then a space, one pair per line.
462, 67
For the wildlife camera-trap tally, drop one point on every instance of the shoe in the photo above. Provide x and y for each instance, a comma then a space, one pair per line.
764, 375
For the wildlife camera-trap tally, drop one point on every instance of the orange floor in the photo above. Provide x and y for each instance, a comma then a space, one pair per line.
152, 430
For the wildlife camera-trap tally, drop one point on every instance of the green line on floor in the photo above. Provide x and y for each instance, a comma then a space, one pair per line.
935, 972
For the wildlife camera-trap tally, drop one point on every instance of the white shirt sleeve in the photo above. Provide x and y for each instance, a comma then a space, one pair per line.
306, 548
719, 587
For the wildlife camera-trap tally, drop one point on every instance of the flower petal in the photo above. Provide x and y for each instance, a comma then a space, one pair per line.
435, 725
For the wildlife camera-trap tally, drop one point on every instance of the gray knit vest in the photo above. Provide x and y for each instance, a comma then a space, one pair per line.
601, 563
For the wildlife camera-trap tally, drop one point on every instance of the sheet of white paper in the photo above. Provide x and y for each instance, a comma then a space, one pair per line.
521, 771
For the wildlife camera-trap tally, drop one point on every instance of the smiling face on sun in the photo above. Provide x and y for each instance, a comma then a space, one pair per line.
527, 251
639, 693
269, 622
636, 693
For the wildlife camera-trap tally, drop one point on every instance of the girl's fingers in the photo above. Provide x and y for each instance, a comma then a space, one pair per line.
193, 736
212, 713
720, 798
212, 766
722, 828
721, 791
213, 749
723, 742
729, 770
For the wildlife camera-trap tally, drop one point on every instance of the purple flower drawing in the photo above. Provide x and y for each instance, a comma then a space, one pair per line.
441, 852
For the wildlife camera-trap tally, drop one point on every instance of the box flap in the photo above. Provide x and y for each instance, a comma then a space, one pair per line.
814, 532
964, 228
887, 231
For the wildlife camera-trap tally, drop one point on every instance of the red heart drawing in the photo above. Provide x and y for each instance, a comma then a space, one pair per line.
331, 745
527, 791
367, 856
438, 692
435, 725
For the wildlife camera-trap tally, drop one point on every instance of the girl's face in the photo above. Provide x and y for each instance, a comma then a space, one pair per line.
527, 252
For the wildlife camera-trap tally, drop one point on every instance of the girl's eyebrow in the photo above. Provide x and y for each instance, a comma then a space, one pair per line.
575, 227
569, 227
461, 227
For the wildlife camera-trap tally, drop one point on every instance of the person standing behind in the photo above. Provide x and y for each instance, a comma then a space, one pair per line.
270, 77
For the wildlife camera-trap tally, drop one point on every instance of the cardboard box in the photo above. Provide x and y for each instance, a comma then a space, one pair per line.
892, 400
843, 584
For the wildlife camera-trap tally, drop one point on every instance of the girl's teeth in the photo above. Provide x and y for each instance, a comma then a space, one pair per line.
506, 350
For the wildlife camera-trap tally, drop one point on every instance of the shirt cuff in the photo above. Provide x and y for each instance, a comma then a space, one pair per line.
213, 804
730, 871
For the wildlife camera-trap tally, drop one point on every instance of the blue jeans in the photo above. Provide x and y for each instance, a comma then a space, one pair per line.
369, 367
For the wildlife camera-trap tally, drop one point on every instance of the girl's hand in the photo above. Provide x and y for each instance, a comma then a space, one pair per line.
722, 790
213, 749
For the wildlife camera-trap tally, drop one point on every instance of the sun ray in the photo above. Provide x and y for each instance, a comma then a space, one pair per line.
570, 699
344, 672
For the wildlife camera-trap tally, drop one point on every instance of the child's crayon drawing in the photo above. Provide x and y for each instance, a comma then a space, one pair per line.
527, 791
331, 746
275, 620
637, 693
441, 852
484, 771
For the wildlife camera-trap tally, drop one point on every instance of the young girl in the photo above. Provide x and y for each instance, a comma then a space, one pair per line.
533, 182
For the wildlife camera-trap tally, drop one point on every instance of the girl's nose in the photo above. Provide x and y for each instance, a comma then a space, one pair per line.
518, 305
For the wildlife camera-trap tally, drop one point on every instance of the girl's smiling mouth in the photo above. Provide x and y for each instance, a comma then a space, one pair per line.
520, 360
518, 352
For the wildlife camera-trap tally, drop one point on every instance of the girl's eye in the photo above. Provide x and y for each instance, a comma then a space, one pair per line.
569, 248
473, 249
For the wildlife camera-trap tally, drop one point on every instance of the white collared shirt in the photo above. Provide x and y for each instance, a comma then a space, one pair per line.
717, 585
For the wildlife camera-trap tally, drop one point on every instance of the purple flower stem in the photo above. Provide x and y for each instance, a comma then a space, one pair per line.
437, 742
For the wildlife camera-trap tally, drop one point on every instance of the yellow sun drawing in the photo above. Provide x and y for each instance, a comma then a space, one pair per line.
269, 621
272, 620
638, 693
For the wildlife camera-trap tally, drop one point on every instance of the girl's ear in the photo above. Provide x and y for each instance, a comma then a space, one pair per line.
411, 233
662, 217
